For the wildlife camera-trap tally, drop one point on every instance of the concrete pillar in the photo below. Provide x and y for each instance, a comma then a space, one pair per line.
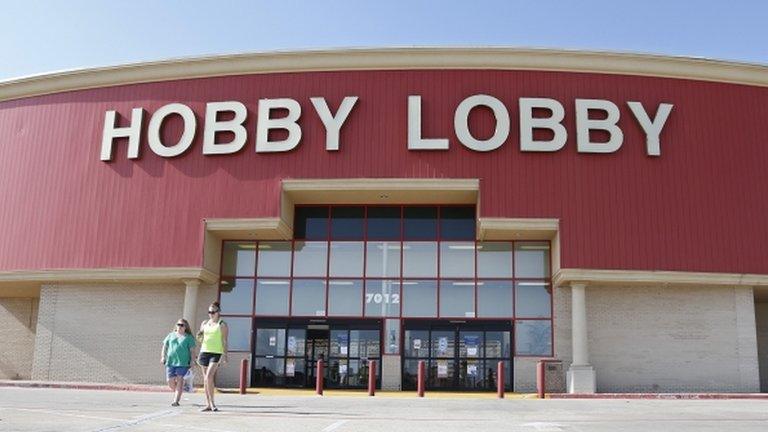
581, 375
190, 301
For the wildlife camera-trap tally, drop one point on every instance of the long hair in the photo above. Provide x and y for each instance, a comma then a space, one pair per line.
187, 330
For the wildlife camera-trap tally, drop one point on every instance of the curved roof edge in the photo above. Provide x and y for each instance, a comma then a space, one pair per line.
388, 59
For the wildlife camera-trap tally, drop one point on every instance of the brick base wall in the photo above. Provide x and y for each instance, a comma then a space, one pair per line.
18, 322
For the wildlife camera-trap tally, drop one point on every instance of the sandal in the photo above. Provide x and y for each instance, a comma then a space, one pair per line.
215, 408
205, 409
175, 404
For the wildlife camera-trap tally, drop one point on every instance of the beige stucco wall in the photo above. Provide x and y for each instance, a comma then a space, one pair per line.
106, 332
673, 339
761, 317
18, 320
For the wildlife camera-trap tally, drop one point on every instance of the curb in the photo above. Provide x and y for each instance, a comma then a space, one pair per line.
85, 386
660, 396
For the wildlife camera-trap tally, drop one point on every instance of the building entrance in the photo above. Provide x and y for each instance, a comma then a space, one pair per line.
459, 355
286, 352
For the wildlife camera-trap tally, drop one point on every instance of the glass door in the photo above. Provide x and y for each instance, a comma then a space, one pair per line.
317, 349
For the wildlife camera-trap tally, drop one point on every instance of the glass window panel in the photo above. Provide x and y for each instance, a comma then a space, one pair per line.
239, 259
339, 343
269, 371
236, 296
416, 343
311, 223
392, 336
497, 344
457, 223
270, 341
457, 259
345, 298
533, 337
357, 375
471, 344
420, 259
457, 299
491, 366
272, 297
419, 298
308, 297
364, 344
295, 372
533, 300
382, 259
441, 373
410, 374
347, 223
337, 372
494, 259
443, 343
346, 259
310, 258
274, 259
239, 338
382, 298
494, 299
383, 223
472, 374
420, 223
297, 342
532, 260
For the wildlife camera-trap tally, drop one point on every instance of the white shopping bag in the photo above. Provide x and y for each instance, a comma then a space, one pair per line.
189, 381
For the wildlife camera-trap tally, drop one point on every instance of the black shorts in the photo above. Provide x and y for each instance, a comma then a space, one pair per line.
206, 357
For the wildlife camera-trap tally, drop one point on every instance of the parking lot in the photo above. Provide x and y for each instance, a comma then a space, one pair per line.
81, 410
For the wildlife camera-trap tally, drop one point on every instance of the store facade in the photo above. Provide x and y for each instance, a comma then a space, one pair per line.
461, 206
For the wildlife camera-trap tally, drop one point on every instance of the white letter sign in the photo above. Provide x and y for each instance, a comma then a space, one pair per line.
528, 123
132, 132
415, 141
584, 124
461, 125
213, 125
652, 128
265, 123
333, 124
156, 122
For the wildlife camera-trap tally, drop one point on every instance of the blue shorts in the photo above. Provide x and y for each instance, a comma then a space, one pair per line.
176, 371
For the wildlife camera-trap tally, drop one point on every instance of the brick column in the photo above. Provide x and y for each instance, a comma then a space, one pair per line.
581, 375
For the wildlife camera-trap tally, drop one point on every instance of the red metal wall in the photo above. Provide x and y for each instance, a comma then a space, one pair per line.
701, 206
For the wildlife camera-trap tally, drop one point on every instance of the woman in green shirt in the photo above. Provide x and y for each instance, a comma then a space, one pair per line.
177, 357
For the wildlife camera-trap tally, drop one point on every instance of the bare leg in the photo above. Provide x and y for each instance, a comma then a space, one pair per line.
172, 383
209, 379
179, 388
204, 374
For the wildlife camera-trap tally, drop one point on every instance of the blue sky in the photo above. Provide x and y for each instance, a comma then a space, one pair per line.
38, 37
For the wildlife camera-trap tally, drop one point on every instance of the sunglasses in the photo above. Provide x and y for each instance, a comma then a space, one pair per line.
179, 324
213, 311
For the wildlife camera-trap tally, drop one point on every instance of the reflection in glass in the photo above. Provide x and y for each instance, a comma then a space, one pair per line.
419, 298
494, 259
494, 299
382, 298
457, 299
532, 259
239, 333
420, 223
347, 223
364, 343
416, 343
443, 343
420, 259
457, 259
533, 337
392, 336
272, 297
346, 259
497, 344
239, 259
383, 223
270, 341
457, 223
268, 371
297, 339
308, 297
533, 300
345, 298
311, 223
382, 259
236, 296
274, 259
309, 258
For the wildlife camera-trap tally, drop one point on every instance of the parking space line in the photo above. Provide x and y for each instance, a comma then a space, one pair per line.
334, 426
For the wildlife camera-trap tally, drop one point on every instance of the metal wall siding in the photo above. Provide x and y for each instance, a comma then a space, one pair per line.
699, 207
